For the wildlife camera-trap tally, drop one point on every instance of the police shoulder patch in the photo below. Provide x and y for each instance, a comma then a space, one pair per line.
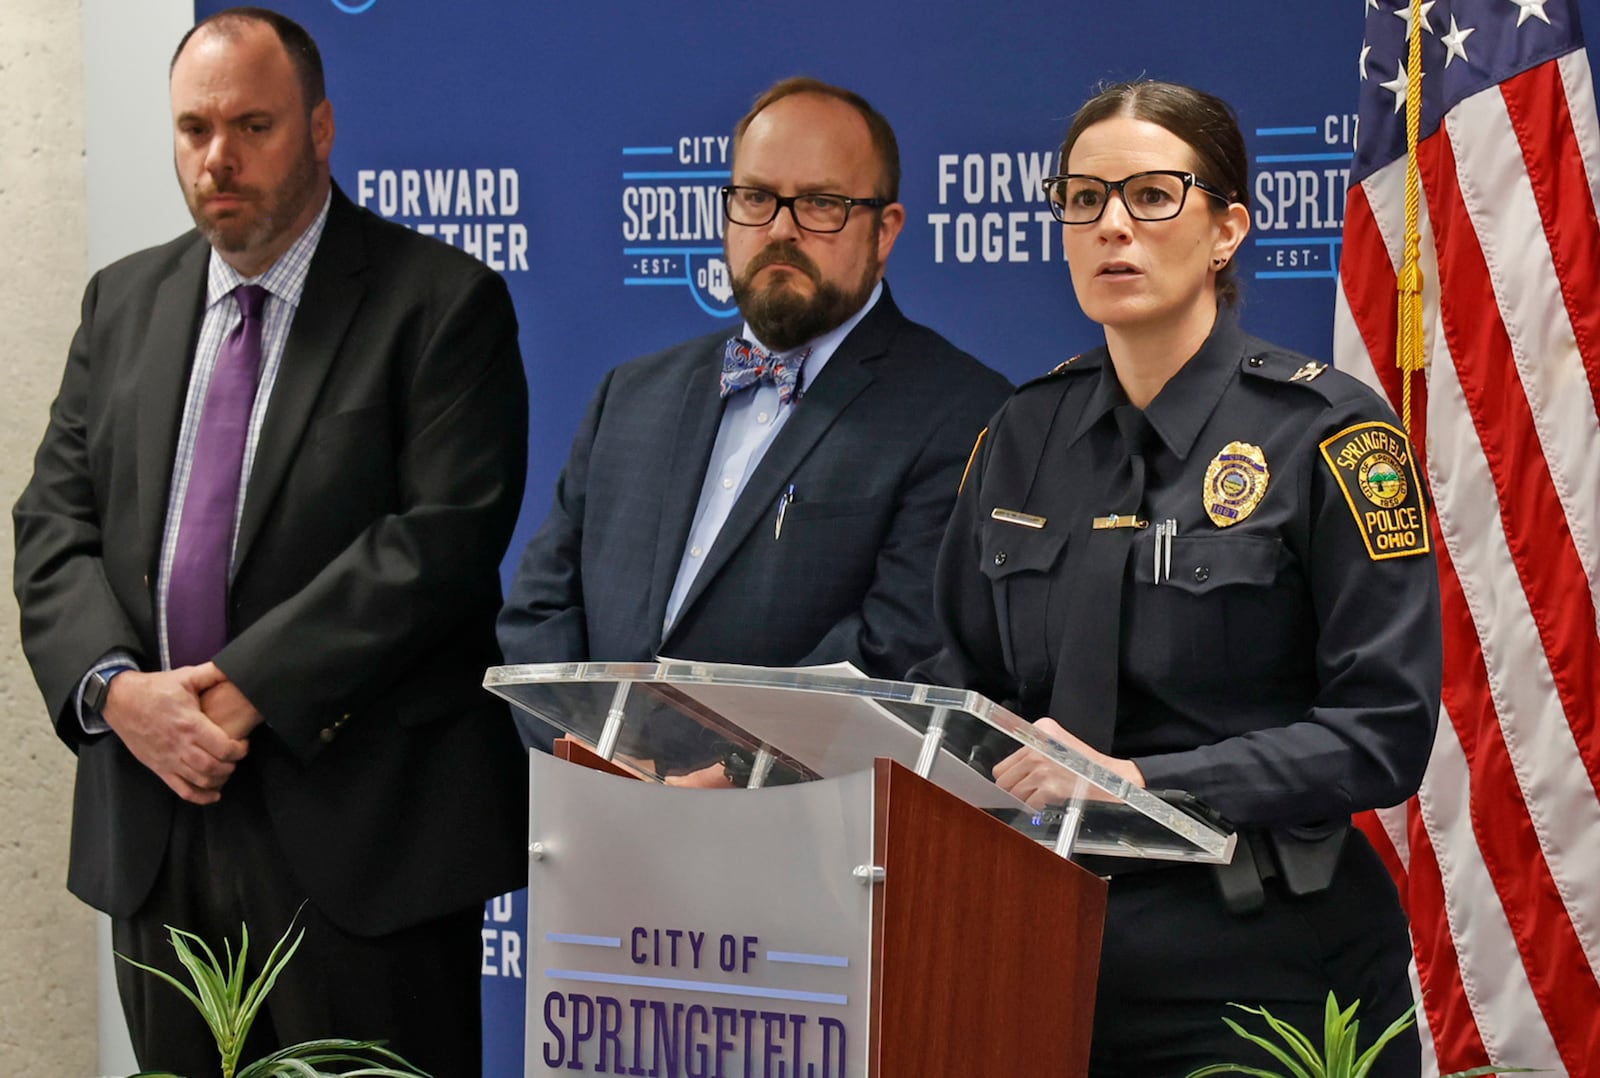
1377, 472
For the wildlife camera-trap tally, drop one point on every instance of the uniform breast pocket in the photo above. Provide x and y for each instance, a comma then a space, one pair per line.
1228, 611
1022, 565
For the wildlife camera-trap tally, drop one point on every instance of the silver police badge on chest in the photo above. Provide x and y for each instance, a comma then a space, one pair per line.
1236, 481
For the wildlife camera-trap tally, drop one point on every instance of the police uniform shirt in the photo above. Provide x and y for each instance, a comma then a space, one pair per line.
1282, 660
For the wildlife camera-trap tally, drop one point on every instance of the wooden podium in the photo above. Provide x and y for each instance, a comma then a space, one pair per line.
927, 935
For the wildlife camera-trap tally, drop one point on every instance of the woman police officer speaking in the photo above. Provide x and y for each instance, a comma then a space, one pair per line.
1205, 562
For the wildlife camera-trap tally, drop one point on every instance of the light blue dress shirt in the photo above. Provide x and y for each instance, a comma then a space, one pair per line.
751, 420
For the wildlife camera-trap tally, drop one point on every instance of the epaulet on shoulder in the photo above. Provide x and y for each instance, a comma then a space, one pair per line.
1071, 366
1292, 368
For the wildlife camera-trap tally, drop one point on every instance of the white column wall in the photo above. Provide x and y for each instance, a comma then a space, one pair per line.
85, 176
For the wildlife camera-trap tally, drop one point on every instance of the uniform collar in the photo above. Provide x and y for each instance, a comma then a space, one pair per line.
1184, 404
1106, 395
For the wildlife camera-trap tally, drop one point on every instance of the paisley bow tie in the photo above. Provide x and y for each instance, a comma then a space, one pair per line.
745, 364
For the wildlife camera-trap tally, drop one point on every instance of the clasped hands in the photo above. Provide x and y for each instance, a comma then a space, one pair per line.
191, 726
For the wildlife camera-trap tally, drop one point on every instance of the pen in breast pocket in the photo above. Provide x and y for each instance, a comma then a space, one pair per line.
1165, 533
783, 509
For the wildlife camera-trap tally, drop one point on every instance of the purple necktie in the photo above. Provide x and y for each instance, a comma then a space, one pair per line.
197, 596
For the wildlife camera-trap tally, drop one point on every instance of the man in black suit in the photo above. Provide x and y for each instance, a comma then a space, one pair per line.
778, 502
269, 663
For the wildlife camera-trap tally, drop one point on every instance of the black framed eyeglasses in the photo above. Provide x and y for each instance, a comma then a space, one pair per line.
756, 206
1158, 195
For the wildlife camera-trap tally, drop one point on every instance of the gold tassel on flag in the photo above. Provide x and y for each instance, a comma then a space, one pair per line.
1408, 353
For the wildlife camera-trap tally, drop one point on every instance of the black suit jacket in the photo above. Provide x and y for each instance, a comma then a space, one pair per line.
874, 450
385, 487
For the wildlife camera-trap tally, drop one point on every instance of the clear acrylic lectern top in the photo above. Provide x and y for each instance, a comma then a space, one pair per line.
716, 724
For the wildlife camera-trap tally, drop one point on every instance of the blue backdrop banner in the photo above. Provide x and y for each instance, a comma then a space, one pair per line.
577, 148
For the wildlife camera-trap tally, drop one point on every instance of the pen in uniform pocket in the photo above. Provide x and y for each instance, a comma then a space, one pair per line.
1161, 555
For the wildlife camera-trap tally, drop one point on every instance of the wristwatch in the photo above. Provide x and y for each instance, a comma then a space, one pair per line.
95, 689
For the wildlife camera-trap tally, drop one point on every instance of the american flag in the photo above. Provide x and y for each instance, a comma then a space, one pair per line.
1498, 857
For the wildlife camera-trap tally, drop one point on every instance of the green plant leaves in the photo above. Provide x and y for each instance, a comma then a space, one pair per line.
230, 1009
245, 1014
1295, 1069
306, 1060
1337, 1059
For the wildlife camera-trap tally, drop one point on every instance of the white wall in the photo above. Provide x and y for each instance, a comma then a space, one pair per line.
133, 197
47, 1017
133, 201
85, 176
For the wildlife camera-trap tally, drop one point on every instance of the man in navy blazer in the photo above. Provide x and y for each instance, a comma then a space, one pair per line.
778, 500
334, 747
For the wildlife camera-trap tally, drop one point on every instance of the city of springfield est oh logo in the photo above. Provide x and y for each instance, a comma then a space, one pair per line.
987, 207
672, 219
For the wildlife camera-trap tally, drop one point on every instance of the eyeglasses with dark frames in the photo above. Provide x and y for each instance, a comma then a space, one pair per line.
814, 212
1157, 195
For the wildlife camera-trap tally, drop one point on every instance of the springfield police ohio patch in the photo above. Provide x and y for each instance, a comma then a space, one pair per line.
1378, 474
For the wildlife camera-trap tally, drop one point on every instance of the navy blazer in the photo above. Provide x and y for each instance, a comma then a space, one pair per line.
875, 451
385, 487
